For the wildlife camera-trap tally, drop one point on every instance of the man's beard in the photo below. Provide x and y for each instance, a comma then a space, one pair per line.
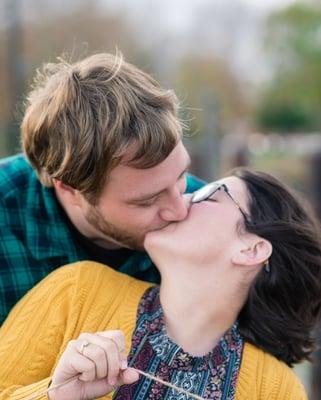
95, 219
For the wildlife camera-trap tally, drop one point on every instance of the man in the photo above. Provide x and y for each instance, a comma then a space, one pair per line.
103, 164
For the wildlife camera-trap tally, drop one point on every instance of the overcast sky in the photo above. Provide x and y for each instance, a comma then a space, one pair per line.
268, 4
183, 6
231, 29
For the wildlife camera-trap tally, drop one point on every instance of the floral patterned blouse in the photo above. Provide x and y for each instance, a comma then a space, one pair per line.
212, 376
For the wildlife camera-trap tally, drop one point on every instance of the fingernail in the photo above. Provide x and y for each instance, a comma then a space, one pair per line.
123, 364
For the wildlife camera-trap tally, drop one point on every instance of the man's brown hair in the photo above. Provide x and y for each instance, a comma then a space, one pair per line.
82, 118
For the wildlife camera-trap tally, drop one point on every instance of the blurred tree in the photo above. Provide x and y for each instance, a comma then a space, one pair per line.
212, 99
85, 30
292, 101
15, 70
199, 75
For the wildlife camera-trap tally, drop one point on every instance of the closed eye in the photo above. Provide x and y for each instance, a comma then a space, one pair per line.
147, 203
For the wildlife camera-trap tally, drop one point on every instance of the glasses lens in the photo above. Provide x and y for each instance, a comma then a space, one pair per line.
205, 192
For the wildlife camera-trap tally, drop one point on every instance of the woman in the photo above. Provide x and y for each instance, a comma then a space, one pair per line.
240, 295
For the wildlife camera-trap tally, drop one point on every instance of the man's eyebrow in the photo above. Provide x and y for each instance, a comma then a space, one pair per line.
152, 195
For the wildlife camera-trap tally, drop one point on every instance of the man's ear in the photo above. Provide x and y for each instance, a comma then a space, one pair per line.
257, 253
67, 193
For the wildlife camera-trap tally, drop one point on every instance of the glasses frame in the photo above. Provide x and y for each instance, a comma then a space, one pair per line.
208, 190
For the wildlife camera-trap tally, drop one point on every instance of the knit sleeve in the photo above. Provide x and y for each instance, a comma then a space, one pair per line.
290, 388
279, 382
263, 377
80, 297
31, 337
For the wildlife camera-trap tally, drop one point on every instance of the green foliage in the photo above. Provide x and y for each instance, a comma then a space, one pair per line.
292, 101
285, 118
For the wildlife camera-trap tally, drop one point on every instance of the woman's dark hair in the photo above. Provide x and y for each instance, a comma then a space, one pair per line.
284, 304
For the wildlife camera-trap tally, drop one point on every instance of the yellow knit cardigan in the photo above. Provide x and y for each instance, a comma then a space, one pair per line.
89, 297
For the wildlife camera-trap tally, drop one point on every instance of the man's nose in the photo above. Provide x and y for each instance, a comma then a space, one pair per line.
188, 200
176, 209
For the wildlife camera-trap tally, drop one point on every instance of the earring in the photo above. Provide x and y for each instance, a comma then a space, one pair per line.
267, 266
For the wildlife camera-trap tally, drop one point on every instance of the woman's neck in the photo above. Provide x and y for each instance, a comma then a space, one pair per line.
199, 311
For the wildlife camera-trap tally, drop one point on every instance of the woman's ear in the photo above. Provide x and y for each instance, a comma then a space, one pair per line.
260, 251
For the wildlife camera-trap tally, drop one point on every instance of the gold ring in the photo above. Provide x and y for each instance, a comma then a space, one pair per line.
84, 344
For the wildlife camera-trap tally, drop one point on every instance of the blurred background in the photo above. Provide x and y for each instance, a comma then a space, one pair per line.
247, 72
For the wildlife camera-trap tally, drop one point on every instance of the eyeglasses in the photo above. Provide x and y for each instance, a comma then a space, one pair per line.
208, 190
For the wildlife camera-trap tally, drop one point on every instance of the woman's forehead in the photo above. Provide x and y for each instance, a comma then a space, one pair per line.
237, 189
234, 184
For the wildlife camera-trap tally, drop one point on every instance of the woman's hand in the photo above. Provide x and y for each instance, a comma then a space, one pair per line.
97, 362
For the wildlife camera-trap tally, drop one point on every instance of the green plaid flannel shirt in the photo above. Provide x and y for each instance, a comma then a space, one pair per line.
36, 238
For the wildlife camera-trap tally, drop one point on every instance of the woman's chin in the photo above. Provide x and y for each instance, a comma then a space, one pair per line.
148, 240
156, 238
